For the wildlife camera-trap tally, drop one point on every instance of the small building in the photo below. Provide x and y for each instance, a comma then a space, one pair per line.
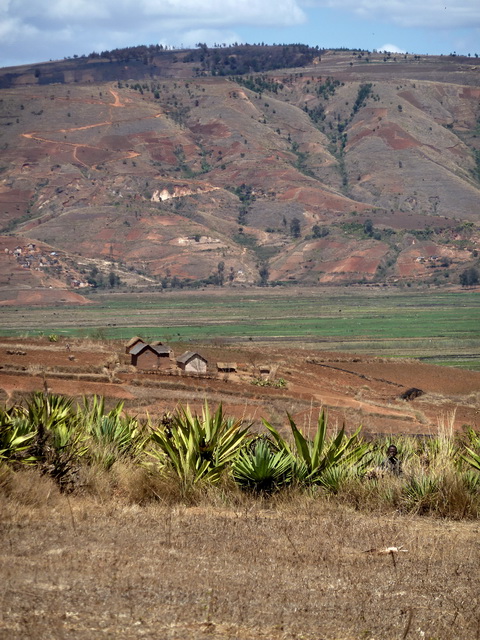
226, 367
148, 357
132, 343
192, 362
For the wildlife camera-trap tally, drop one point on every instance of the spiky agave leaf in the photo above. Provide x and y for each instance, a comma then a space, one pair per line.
199, 447
16, 435
312, 457
421, 492
111, 435
473, 458
261, 468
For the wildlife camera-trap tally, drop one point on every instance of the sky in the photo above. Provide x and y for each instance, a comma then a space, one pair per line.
39, 30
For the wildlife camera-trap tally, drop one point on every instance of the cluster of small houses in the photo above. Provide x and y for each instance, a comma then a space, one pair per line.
31, 257
158, 356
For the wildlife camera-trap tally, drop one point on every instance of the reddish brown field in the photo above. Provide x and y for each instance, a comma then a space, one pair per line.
355, 390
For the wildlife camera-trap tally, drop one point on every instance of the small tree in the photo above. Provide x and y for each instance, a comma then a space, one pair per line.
368, 227
264, 274
221, 273
319, 232
469, 277
295, 228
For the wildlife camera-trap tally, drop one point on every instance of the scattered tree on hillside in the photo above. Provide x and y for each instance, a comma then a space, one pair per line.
221, 273
264, 274
319, 231
295, 228
368, 227
469, 277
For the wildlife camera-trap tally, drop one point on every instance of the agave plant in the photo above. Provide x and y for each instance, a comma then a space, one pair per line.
473, 451
312, 458
198, 447
112, 435
58, 442
262, 468
16, 435
473, 458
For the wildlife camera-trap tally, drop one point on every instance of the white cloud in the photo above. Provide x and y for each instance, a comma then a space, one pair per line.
189, 13
448, 14
392, 48
119, 23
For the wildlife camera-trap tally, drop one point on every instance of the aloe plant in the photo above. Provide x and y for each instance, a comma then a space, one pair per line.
312, 458
198, 447
261, 468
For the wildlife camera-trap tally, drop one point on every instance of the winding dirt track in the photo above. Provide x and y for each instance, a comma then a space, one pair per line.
76, 146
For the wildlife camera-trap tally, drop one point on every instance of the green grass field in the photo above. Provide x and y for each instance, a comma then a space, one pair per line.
443, 327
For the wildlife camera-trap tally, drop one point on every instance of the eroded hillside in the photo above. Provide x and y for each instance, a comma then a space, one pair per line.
342, 171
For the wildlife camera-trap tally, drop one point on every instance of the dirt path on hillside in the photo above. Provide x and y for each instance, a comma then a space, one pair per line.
34, 135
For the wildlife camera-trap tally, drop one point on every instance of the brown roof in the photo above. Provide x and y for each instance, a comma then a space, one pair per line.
141, 346
188, 355
133, 341
226, 365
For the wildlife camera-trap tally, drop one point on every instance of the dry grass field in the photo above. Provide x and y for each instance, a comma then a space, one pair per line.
238, 568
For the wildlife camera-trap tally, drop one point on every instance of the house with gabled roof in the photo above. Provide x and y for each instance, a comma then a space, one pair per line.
133, 342
192, 362
148, 356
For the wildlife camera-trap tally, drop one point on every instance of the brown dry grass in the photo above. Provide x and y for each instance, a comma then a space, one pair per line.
84, 567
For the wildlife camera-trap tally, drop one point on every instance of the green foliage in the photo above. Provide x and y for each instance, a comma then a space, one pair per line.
111, 436
58, 442
259, 83
295, 228
16, 435
316, 114
198, 448
440, 475
320, 231
264, 274
469, 277
279, 383
327, 88
312, 458
364, 92
53, 337
262, 468
301, 161
422, 492
472, 448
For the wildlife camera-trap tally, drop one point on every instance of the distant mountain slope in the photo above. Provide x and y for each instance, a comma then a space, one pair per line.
343, 171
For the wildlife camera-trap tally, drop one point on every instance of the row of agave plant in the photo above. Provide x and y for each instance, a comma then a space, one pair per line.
59, 437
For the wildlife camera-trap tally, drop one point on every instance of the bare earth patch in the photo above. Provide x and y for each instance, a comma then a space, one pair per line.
355, 390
